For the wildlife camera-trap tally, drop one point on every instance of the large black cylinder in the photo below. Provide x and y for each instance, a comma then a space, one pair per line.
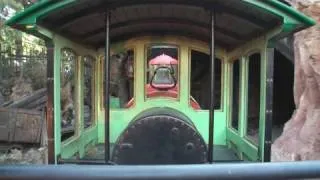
160, 136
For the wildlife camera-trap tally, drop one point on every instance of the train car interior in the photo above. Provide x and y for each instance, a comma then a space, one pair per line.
160, 82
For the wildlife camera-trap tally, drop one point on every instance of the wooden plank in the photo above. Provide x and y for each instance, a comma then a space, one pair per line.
20, 125
27, 100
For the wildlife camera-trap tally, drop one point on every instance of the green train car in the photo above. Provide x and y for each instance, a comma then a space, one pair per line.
159, 81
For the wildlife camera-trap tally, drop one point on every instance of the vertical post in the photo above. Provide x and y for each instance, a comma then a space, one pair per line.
269, 105
49, 108
212, 100
106, 87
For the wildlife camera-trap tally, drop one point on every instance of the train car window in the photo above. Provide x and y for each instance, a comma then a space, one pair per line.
235, 94
68, 94
121, 79
253, 108
88, 92
157, 50
162, 69
200, 80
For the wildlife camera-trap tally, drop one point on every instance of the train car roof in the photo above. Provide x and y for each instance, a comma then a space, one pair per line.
237, 21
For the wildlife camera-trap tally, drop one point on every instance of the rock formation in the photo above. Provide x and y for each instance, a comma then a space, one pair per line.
30, 156
300, 139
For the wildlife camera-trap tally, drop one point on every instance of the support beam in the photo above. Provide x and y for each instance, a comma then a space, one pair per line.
49, 108
163, 32
212, 100
161, 20
269, 105
106, 87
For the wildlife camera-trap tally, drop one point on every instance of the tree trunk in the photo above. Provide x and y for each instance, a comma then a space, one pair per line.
300, 139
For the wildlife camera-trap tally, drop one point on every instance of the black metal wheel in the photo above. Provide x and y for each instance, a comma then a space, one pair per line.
160, 136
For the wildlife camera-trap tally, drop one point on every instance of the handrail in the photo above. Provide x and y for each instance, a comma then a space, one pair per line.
273, 170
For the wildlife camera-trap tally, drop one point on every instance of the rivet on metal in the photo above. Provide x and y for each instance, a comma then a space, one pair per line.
50, 79
125, 146
268, 142
189, 146
268, 111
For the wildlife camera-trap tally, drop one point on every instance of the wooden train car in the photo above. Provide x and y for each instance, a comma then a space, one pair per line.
160, 81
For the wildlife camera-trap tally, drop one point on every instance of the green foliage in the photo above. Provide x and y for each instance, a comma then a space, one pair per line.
15, 4
9, 36
35, 70
22, 56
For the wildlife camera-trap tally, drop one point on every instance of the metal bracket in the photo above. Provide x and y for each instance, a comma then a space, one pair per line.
49, 109
269, 80
268, 142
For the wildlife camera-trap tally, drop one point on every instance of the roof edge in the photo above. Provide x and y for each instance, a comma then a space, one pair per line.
308, 21
30, 15
17, 17
293, 21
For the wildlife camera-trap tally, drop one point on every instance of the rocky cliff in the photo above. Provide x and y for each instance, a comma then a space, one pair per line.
300, 139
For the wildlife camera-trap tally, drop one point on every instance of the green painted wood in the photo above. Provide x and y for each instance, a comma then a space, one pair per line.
114, 103
242, 145
82, 137
38, 10
78, 144
239, 139
121, 118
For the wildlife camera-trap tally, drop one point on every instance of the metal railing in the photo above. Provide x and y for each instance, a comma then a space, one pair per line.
274, 171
